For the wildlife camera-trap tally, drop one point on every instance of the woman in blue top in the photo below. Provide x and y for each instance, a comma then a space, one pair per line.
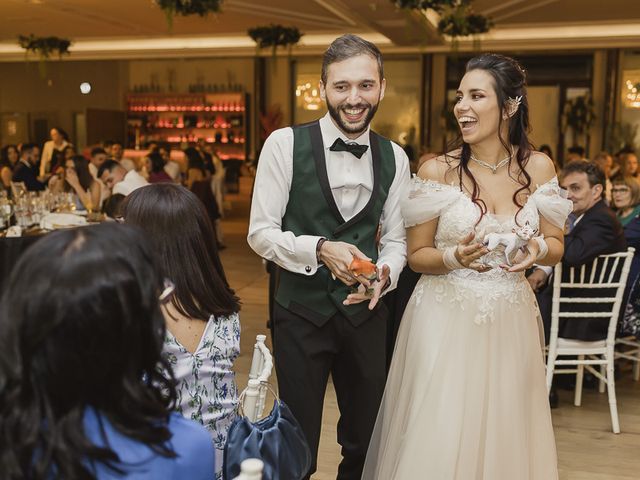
81, 393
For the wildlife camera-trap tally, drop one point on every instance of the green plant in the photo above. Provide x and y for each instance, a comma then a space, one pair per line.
456, 16
578, 115
44, 47
621, 135
188, 7
275, 36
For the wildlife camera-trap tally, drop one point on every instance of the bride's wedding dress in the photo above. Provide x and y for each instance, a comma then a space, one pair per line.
466, 396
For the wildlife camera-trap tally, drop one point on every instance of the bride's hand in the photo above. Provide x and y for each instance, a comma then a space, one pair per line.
468, 252
526, 260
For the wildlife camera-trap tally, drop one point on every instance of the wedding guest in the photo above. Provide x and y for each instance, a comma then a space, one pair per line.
626, 203
628, 165
82, 395
116, 151
112, 207
171, 167
9, 157
604, 161
26, 170
575, 153
595, 231
76, 178
203, 328
59, 141
118, 180
157, 172
195, 167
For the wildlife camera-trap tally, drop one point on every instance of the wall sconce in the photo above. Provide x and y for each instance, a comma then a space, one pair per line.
631, 89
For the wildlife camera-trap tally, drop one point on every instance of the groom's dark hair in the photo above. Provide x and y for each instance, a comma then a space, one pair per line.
348, 46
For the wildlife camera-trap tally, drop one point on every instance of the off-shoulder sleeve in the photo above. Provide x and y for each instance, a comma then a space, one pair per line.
425, 200
552, 203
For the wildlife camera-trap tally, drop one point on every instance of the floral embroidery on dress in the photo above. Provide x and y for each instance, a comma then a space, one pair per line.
207, 391
458, 216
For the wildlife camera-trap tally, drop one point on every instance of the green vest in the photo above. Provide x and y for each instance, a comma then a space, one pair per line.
312, 210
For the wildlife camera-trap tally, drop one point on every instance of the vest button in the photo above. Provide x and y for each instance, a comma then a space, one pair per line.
307, 269
356, 236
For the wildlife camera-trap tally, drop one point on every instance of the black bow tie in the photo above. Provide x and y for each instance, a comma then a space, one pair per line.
355, 148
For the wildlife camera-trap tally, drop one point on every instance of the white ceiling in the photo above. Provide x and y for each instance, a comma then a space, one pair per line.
116, 28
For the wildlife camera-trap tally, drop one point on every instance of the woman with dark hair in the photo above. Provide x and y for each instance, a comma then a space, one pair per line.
203, 328
76, 178
157, 174
9, 157
59, 141
195, 167
466, 395
81, 393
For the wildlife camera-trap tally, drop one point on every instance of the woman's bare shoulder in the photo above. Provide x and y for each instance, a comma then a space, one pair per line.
437, 168
540, 167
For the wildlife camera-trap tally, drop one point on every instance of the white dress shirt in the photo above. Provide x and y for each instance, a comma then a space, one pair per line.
351, 181
131, 181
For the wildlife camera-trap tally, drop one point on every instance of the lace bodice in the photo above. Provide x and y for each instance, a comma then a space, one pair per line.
458, 216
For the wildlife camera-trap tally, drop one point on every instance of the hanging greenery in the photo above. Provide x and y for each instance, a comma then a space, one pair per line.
188, 7
456, 16
44, 47
275, 36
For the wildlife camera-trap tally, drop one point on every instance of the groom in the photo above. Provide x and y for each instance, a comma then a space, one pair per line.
326, 192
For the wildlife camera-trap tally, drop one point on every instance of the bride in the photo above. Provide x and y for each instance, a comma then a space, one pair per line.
466, 396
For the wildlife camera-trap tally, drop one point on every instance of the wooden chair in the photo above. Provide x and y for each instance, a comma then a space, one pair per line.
254, 396
606, 274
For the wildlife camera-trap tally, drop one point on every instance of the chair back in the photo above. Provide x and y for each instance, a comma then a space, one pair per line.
597, 288
254, 396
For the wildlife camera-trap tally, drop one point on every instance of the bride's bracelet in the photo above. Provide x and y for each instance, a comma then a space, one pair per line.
449, 259
543, 247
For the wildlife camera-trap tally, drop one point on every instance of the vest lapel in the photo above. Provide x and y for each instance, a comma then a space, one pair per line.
376, 157
321, 169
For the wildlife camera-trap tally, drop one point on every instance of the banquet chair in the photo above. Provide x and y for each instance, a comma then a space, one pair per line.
605, 280
632, 353
251, 469
254, 396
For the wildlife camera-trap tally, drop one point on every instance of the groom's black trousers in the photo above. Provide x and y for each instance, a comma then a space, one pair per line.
306, 354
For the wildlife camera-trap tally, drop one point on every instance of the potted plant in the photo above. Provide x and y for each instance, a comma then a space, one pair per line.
44, 47
275, 36
456, 16
578, 115
188, 7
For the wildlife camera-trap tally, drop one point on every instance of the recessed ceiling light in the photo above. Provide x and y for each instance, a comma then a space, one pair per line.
85, 88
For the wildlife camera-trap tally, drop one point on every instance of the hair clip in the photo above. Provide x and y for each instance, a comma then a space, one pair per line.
513, 104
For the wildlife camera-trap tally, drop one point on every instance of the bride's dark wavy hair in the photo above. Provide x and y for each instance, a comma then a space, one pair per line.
510, 81
81, 328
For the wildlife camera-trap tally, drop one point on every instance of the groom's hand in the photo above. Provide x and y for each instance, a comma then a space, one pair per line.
337, 257
373, 293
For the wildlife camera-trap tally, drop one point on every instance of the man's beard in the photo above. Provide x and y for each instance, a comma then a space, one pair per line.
345, 127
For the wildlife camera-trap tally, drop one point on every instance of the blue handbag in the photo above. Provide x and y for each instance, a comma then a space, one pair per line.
276, 439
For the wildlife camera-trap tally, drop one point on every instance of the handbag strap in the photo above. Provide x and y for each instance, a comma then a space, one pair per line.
243, 394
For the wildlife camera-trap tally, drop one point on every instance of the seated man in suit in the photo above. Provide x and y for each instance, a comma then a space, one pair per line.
595, 231
26, 170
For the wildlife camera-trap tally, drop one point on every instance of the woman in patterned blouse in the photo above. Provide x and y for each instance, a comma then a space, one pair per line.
203, 328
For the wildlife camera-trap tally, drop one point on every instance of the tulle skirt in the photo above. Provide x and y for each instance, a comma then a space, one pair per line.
466, 396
